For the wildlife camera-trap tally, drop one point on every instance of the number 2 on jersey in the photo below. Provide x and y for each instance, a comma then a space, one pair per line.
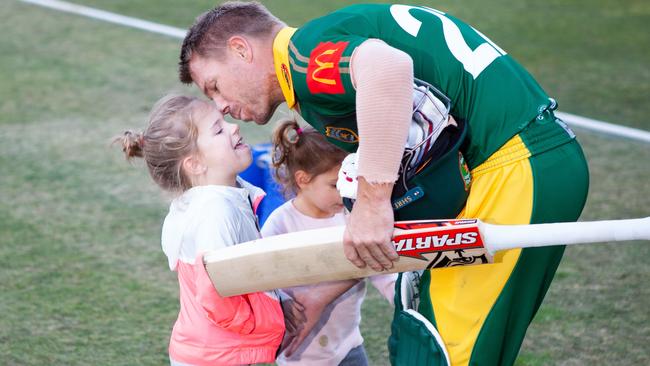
474, 61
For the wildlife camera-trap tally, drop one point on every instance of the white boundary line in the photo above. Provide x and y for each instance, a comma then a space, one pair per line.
604, 127
110, 17
571, 119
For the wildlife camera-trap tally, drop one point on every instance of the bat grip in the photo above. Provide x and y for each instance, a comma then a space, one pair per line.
502, 237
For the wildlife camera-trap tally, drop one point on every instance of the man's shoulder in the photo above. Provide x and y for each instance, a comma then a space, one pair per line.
320, 54
347, 12
340, 23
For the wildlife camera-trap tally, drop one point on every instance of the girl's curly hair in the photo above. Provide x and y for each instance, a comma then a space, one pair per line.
296, 148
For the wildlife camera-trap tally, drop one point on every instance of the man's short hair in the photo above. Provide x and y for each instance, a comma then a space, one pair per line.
212, 29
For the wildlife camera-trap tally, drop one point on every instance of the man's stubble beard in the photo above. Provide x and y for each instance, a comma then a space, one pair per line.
275, 99
267, 116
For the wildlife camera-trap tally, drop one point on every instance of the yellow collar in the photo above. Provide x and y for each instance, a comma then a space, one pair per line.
281, 61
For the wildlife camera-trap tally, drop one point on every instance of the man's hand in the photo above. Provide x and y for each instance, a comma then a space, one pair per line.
368, 235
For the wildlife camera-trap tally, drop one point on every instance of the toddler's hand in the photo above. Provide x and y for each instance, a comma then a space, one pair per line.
294, 315
314, 300
312, 310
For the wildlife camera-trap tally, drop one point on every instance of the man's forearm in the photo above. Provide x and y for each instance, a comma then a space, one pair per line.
383, 77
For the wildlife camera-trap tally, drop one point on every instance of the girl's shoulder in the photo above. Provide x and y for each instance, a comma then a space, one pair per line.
276, 222
287, 218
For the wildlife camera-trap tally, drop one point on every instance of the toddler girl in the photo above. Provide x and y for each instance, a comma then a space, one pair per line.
307, 165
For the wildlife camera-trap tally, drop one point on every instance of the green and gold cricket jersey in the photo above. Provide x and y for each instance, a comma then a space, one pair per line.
526, 165
487, 87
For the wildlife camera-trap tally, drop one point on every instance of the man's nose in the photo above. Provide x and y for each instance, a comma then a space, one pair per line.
222, 105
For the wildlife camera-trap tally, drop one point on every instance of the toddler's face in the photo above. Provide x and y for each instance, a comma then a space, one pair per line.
221, 147
321, 190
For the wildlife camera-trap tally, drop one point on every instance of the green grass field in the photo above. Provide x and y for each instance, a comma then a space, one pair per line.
82, 278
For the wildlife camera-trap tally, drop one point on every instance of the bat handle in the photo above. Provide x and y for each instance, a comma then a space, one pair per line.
502, 237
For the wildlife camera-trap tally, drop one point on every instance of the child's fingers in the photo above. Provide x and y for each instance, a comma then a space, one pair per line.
292, 306
296, 310
298, 305
286, 341
297, 341
291, 302
299, 315
294, 318
291, 348
289, 324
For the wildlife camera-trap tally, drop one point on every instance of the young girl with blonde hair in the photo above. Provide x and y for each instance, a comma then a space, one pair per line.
189, 149
307, 167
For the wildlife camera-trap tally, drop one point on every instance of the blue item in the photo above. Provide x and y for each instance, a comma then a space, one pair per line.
260, 174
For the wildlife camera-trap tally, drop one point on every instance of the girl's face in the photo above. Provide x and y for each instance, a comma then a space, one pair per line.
320, 192
222, 151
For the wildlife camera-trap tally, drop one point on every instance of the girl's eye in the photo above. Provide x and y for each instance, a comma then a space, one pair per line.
219, 131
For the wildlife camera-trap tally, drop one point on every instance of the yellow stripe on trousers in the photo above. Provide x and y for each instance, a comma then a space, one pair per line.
462, 297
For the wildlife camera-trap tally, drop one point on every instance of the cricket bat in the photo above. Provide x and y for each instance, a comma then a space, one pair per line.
312, 256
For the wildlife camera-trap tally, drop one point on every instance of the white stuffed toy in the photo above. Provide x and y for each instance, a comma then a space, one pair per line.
347, 182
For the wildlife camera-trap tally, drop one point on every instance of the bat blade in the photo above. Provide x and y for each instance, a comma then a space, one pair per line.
313, 256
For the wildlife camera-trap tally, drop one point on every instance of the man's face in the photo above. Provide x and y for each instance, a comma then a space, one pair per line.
238, 87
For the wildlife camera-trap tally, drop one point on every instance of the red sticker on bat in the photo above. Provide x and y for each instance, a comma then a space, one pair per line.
415, 244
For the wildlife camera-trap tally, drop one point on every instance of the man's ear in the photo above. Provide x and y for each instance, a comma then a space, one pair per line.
241, 48
302, 178
193, 166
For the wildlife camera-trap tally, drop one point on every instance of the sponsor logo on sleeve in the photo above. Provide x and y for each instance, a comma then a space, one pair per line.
323, 73
342, 134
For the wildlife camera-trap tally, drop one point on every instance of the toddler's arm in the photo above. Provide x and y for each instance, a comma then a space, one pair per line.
294, 313
315, 298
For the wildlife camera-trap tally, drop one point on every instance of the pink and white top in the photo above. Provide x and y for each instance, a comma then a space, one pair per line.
211, 329
337, 332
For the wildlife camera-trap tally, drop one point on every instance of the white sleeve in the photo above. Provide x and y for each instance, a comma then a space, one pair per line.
216, 228
385, 284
